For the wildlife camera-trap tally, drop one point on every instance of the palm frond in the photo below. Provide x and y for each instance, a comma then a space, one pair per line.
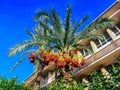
80, 23
85, 47
90, 35
56, 21
41, 15
101, 23
72, 33
37, 29
45, 25
74, 41
23, 45
67, 24
26, 53
30, 34
18, 62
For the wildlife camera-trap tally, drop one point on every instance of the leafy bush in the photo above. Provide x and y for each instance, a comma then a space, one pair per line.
99, 82
12, 84
62, 84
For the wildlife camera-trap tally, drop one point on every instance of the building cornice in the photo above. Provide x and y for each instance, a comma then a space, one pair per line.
118, 0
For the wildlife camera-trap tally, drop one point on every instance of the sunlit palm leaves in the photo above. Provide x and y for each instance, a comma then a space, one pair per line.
64, 35
51, 32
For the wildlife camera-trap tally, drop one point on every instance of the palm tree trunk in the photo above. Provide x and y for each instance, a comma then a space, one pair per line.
39, 77
66, 73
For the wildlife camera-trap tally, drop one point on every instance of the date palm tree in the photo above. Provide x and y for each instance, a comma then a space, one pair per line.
57, 41
65, 36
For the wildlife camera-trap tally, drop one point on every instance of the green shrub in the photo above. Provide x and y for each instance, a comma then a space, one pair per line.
12, 84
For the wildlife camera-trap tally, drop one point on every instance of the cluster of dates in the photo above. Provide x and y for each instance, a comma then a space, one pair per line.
63, 58
32, 56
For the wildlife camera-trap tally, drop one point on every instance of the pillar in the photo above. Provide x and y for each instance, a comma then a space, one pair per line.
93, 45
111, 33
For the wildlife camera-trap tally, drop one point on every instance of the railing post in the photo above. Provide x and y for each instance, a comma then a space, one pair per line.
93, 45
111, 33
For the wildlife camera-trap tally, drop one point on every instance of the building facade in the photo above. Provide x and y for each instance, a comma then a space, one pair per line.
104, 51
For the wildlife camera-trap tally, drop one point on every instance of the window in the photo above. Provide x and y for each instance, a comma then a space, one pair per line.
116, 29
102, 42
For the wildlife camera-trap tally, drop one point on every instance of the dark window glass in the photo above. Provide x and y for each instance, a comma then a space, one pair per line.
118, 25
116, 29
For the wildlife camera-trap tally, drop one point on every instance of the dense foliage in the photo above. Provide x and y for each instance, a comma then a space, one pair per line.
62, 84
12, 84
97, 81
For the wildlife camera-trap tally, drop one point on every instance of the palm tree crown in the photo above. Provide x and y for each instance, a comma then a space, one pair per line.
64, 35
52, 34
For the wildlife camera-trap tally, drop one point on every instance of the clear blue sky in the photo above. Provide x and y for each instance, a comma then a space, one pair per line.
17, 15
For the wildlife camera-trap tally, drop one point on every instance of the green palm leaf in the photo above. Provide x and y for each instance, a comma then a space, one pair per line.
67, 25
24, 45
101, 24
18, 62
30, 34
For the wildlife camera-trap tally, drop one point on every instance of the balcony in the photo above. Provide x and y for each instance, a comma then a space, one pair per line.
104, 56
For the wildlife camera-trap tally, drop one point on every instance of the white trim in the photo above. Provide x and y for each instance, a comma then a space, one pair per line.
103, 12
114, 13
118, 0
